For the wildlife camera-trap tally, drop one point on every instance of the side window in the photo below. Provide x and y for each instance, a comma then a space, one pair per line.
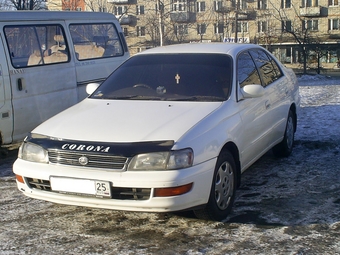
268, 68
246, 70
36, 45
95, 41
276, 67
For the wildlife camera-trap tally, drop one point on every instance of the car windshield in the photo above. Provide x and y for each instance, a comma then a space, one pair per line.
171, 77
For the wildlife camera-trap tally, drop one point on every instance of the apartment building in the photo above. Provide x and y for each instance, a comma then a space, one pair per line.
285, 27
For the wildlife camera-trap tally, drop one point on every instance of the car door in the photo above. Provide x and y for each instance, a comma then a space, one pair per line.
6, 117
275, 90
42, 73
253, 112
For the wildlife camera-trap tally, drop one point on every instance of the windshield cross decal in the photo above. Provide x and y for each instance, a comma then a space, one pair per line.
177, 78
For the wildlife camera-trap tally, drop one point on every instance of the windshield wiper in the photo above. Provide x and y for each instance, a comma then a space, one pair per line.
197, 98
136, 97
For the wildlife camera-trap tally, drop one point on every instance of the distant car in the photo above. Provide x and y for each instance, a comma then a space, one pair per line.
171, 129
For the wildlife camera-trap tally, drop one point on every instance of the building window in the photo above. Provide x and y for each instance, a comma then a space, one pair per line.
140, 31
262, 4
78, 9
126, 31
140, 9
286, 4
333, 2
102, 9
310, 3
179, 5
243, 4
119, 10
218, 5
242, 27
311, 24
181, 29
159, 8
333, 24
218, 28
201, 29
286, 26
200, 6
262, 26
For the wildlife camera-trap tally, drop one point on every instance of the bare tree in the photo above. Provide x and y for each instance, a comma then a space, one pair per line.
72, 5
6, 5
99, 5
28, 4
295, 26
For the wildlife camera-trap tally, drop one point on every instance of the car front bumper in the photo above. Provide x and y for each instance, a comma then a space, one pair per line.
199, 175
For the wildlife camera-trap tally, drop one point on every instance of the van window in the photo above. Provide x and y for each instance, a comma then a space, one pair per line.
36, 45
95, 41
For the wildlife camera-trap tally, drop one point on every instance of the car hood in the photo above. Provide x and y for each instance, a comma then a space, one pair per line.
126, 120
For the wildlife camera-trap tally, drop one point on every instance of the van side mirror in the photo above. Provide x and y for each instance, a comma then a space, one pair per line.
252, 90
91, 87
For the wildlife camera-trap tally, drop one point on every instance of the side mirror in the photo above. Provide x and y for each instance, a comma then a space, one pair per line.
91, 87
252, 90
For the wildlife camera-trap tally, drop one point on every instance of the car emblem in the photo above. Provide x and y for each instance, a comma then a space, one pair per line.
83, 160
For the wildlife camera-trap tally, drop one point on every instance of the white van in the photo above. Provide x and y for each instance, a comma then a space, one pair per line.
47, 58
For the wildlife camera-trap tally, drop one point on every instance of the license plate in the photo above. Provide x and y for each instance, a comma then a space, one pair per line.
81, 186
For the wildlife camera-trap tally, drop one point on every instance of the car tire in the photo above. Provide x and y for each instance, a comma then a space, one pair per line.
223, 188
285, 148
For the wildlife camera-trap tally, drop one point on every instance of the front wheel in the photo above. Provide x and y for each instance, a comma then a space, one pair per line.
285, 148
223, 188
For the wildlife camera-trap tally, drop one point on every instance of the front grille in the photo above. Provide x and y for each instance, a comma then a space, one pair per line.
118, 193
39, 184
93, 160
130, 193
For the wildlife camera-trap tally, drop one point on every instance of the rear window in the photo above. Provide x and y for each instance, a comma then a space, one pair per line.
187, 77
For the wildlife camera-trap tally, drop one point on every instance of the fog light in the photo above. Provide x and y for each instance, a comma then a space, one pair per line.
173, 191
20, 178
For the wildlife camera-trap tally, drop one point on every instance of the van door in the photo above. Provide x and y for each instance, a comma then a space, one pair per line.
99, 48
42, 73
6, 118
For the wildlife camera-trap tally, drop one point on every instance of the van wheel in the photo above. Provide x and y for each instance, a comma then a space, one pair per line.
285, 148
223, 188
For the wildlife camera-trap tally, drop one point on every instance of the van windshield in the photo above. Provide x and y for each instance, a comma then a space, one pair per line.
178, 77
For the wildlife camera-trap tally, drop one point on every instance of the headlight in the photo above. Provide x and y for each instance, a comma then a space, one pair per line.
162, 160
180, 159
32, 152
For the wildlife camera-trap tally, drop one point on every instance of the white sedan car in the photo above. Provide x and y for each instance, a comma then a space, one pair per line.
171, 129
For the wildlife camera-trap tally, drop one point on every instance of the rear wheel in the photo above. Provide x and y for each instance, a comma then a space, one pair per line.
222, 194
285, 148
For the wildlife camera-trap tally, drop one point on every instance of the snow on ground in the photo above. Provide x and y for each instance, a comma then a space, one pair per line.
284, 206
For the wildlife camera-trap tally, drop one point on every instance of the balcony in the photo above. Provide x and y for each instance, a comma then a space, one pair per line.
118, 1
224, 9
246, 15
182, 17
125, 19
310, 11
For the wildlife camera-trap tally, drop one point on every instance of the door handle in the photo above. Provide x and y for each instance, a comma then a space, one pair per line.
20, 84
267, 104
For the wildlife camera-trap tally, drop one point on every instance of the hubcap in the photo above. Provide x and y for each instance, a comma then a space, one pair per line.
224, 185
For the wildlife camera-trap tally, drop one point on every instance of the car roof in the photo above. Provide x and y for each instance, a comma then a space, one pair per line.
53, 15
220, 48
